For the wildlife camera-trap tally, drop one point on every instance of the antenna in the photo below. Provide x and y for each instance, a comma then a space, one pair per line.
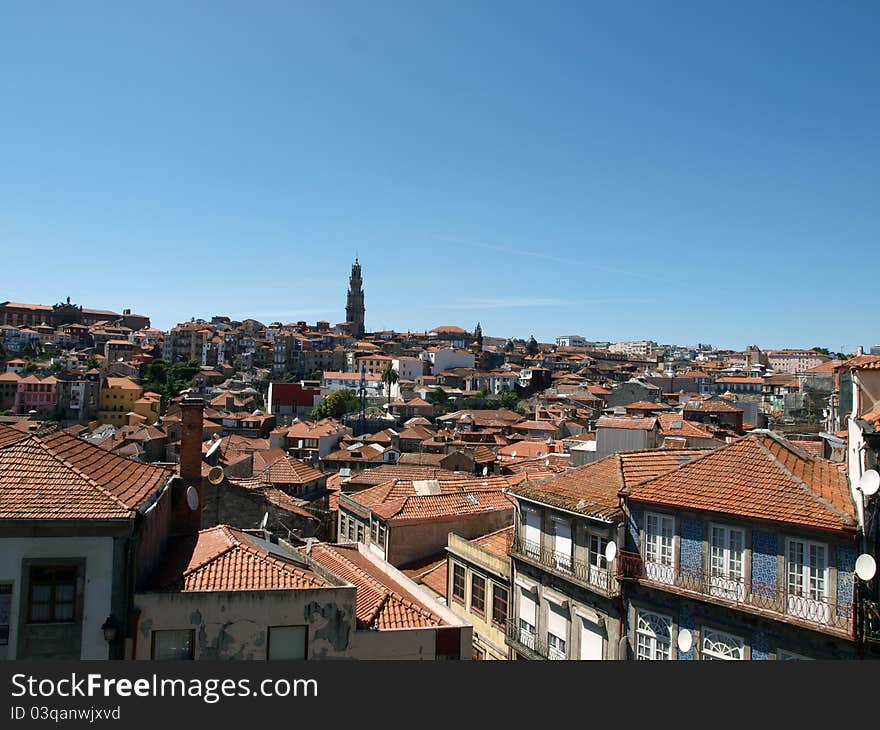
610, 551
866, 567
869, 482
264, 521
192, 498
685, 640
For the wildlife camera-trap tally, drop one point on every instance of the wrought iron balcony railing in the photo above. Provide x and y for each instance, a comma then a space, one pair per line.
816, 611
597, 578
526, 642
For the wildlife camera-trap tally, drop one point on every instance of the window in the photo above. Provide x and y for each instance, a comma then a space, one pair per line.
374, 531
361, 531
351, 527
173, 644
532, 532
458, 582
528, 611
287, 642
718, 645
343, 523
52, 597
653, 636
478, 594
726, 578
381, 532
499, 606
557, 631
659, 530
562, 545
807, 580
598, 564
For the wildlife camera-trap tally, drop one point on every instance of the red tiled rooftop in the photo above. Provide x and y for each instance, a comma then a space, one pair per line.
224, 558
761, 476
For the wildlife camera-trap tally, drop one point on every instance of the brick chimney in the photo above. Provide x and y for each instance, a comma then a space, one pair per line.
184, 520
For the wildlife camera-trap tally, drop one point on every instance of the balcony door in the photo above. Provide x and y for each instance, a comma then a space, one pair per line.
807, 580
726, 577
562, 545
659, 532
591, 640
532, 533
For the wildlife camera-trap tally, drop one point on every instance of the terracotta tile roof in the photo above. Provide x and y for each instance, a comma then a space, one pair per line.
224, 558
422, 459
9, 435
711, 406
395, 490
863, 362
390, 472
291, 471
592, 490
383, 603
58, 476
639, 424
675, 425
761, 476
645, 405
498, 542
420, 508
483, 455
436, 577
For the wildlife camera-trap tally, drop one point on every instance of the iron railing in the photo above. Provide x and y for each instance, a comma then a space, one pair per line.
529, 644
822, 613
594, 577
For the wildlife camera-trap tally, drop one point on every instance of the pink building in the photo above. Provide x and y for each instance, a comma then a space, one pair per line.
35, 394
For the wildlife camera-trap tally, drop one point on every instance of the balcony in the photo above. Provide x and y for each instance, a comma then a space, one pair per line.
823, 614
870, 622
599, 580
528, 644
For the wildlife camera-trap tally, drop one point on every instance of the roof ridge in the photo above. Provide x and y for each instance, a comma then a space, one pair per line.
801, 483
91, 482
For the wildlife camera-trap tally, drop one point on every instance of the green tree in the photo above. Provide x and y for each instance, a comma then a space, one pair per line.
438, 398
389, 377
91, 362
508, 399
337, 404
821, 350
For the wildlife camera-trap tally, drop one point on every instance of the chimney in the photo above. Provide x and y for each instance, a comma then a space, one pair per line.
184, 519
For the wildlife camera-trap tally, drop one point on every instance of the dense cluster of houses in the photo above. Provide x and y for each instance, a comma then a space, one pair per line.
484, 497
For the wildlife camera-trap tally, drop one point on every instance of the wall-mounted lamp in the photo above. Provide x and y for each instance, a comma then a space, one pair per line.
110, 628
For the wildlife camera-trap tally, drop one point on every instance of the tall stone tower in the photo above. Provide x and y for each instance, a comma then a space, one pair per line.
354, 307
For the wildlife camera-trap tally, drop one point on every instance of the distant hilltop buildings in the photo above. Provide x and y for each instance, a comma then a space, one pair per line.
15, 314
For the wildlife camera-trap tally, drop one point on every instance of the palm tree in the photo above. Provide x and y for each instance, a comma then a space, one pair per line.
389, 377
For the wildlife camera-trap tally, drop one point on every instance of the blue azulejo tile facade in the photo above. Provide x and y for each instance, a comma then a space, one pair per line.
691, 557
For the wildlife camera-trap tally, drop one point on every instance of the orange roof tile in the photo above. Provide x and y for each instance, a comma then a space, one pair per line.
382, 601
224, 558
593, 489
53, 475
760, 476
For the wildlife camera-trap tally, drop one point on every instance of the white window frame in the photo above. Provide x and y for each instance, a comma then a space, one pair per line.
561, 560
727, 580
735, 644
648, 644
598, 565
804, 601
659, 559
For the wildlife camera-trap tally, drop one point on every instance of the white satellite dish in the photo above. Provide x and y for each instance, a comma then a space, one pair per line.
485, 470
866, 567
869, 482
513, 453
547, 463
685, 640
264, 521
610, 551
192, 498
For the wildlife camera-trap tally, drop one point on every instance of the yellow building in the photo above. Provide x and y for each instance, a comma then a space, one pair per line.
118, 397
148, 406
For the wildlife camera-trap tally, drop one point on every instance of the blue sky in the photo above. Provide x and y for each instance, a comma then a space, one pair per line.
683, 171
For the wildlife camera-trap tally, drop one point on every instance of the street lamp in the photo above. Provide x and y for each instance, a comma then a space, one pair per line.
110, 628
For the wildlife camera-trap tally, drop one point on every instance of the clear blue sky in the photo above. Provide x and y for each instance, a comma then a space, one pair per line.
680, 171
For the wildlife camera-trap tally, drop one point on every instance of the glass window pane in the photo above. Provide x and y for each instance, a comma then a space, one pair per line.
173, 644
287, 642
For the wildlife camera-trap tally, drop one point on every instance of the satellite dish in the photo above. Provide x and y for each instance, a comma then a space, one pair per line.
513, 453
866, 567
215, 476
264, 521
685, 640
485, 470
610, 551
192, 498
869, 482
547, 463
